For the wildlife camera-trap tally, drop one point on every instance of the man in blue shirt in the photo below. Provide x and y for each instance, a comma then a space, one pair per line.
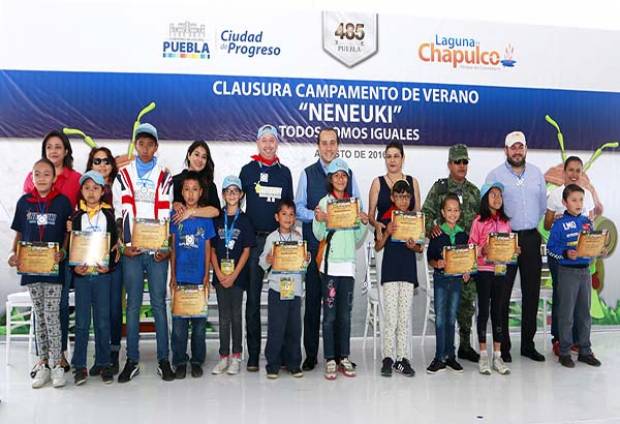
310, 189
525, 202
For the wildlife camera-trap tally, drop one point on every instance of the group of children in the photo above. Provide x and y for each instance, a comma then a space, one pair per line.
224, 243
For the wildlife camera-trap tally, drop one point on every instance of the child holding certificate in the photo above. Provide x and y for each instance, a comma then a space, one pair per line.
337, 254
446, 289
491, 282
285, 291
93, 280
398, 278
574, 279
41, 216
229, 256
190, 258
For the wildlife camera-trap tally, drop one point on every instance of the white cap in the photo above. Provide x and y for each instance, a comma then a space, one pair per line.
515, 137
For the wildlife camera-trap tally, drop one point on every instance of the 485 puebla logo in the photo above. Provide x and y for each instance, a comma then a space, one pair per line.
350, 38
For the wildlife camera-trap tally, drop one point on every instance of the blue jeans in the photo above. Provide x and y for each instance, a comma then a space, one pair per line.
337, 294
447, 291
116, 307
180, 332
283, 332
134, 270
92, 291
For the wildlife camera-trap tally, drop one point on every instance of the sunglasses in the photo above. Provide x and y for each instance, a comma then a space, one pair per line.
461, 162
99, 161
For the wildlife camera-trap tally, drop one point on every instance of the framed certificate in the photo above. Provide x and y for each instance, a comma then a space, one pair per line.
150, 234
289, 256
503, 248
37, 258
89, 248
189, 301
460, 260
591, 244
409, 225
342, 214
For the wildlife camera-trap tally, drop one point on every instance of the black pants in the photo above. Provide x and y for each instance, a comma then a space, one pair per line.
312, 314
252, 305
491, 290
283, 332
229, 302
529, 265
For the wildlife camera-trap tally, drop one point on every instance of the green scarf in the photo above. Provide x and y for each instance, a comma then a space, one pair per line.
451, 232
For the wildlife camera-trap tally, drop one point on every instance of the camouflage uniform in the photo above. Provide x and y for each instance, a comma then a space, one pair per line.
470, 202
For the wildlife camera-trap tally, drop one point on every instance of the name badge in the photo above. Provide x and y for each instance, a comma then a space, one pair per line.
287, 288
270, 193
230, 245
42, 219
264, 177
227, 266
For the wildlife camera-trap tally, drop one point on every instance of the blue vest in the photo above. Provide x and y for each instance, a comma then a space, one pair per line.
316, 189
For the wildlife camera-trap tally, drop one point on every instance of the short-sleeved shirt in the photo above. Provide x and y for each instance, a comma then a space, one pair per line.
554, 202
190, 242
242, 236
52, 216
399, 262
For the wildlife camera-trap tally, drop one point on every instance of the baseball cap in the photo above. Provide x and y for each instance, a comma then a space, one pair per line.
337, 165
515, 137
148, 129
231, 180
488, 186
92, 175
458, 152
267, 129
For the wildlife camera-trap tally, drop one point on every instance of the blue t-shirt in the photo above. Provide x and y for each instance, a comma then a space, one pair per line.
53, 216
242, 236
399, 263
190, 242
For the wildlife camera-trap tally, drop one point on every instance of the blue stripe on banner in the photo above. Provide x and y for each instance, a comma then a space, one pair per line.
210, 107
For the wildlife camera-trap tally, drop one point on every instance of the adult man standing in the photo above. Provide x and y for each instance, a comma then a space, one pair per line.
312, 188
265, 181
469, 195
525, 202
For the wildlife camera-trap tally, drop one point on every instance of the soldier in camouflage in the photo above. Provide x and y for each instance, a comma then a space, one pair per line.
469, 195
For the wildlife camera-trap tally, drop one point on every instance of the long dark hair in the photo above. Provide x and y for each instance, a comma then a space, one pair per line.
330, 185
485, 210
67, 162
194, 175
91, 157
207, 172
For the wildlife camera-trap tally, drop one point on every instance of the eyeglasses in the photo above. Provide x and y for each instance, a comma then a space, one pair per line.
99, 161
461, 162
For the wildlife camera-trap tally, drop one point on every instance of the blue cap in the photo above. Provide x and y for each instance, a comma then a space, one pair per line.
337, 165
92, 175
147, 128
267, 130
488, 186
231, 180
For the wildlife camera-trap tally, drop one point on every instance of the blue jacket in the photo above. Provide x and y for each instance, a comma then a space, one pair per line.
564, 234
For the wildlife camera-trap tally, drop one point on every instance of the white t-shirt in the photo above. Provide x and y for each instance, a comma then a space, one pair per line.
554, 202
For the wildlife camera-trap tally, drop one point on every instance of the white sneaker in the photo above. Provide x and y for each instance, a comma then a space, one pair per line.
483, 365
221, 366
58, 376
41, 376
235, 366
499, 366
346, 367
331, 370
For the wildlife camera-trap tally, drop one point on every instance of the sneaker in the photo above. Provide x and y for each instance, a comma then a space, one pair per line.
114, 362
468, 353
58, 376
483, 365
404, 367
386, 368
453, 365
272, 374
506, 357
180, 371
221, 366
297, 372
80, 376
130, 370
499, 366
95, 370
41, 376
346, 367
252, 365
589, 359
566, 361
235, 366
309, 364
107, 375
164, 370
330, 370
435, 367
196, 371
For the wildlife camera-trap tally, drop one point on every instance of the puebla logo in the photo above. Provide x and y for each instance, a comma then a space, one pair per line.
187, 40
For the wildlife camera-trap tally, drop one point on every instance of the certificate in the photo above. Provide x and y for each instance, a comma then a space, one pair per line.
460, 260
150, 234
89, 248
591, 244
502, 248
342, 214
409, 225
289, 256
189, 301
37, 258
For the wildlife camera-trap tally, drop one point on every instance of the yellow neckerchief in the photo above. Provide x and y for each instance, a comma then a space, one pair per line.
93, 211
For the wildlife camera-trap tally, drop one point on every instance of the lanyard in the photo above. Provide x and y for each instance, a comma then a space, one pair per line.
229, 232
93, 228
42, 218
282, 238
